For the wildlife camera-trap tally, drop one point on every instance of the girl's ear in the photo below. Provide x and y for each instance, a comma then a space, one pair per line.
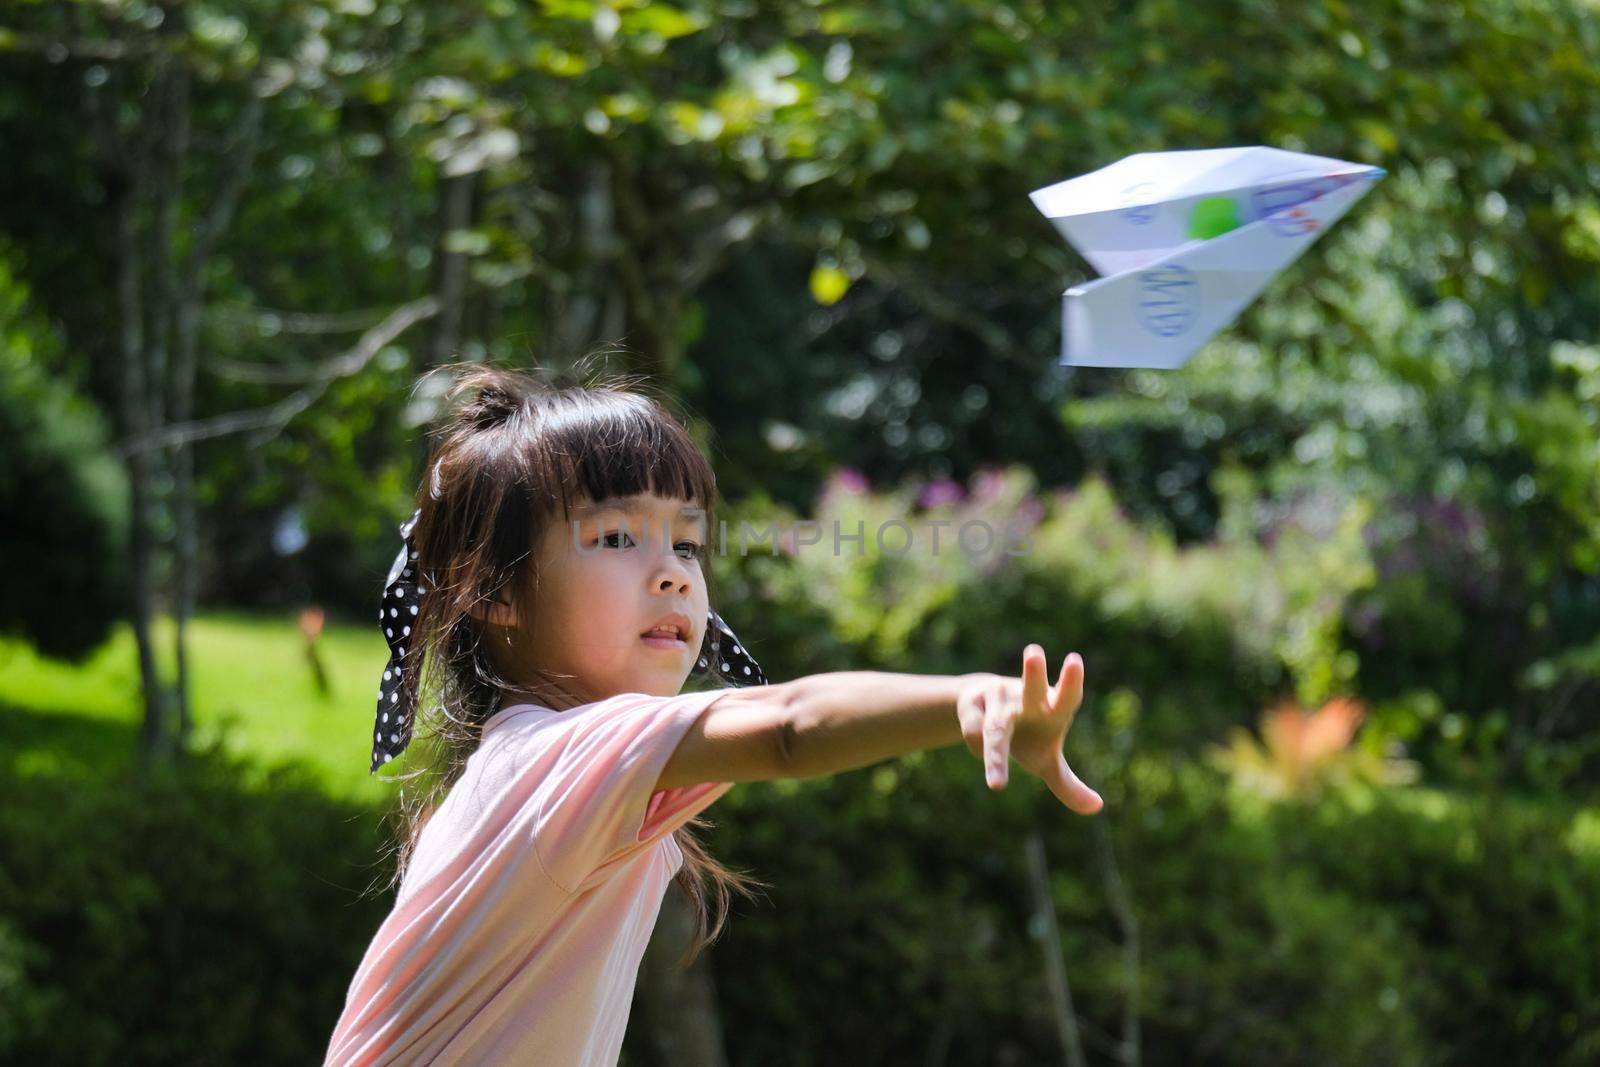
496, 611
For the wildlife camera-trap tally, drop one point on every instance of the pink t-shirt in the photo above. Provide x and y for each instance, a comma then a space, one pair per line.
518, 929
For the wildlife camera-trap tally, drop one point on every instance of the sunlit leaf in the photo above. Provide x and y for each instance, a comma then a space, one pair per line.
828, 285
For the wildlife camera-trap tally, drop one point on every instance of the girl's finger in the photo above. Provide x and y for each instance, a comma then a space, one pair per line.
1070, 790
1068, 691
999, 718
970, 714
1034, 678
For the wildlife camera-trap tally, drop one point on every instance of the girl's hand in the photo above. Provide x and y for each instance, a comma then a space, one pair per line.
1024, 718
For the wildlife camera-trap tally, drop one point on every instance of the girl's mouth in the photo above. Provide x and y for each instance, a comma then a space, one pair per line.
664, 640
664, 637
670, 632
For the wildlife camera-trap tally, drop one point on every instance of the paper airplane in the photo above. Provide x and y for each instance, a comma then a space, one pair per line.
1186, 240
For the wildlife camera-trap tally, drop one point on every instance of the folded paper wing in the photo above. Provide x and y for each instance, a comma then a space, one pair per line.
1186, 240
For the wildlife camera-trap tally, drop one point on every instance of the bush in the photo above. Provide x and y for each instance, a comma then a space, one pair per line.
1204, 635
197, 916
1334, 931
1328, 933
1500, 894
211, 913
57, 475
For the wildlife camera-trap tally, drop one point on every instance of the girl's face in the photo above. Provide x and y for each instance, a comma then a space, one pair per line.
608, 574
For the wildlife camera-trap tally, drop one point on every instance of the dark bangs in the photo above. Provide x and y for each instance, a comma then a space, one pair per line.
596, 444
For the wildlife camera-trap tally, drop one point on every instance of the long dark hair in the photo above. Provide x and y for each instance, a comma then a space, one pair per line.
511, 454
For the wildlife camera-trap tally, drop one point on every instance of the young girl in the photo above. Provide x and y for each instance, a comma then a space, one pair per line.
555, 584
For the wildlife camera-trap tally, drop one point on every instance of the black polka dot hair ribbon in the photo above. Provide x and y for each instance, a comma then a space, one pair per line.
402, 593
722, 655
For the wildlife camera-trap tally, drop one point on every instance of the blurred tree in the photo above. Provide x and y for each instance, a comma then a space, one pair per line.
812, 221
153, 80
63, 495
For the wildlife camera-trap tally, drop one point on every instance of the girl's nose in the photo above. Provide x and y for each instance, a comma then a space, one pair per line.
674, 571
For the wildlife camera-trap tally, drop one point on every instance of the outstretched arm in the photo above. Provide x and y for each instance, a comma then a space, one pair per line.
817, 725
827, 723
849, 719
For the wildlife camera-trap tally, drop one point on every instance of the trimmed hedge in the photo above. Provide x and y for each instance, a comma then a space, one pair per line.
213, 914
1408, 927
205, 914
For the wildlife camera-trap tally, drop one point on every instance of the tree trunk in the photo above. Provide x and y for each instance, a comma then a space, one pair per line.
675, 1012
133, 402
652, 333
124, 160
188, 302
654, 294
668, 245
1128, 923
450, 267
1049, 934
175, 311
185, 580
586, 312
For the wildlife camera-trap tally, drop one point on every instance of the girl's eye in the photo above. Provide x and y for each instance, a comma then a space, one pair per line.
688, 549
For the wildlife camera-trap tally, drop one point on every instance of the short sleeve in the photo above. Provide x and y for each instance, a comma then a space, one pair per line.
597, 804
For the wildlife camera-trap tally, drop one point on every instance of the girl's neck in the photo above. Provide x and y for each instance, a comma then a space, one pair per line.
546, 693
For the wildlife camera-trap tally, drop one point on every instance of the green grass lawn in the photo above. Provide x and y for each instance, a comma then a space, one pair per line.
251, 686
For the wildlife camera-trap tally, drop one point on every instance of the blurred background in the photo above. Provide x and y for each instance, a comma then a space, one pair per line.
1336, 581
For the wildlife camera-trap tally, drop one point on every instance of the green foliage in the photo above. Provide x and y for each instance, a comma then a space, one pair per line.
64, 495
1500, 894
1300, 754
1340, 931
1252, 959
208, 911
875, 158
1319, 596
1201, 636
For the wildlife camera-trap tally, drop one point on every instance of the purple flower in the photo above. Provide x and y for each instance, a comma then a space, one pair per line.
1446, 541
1366, 620
939, 493
989, 485
850, 480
